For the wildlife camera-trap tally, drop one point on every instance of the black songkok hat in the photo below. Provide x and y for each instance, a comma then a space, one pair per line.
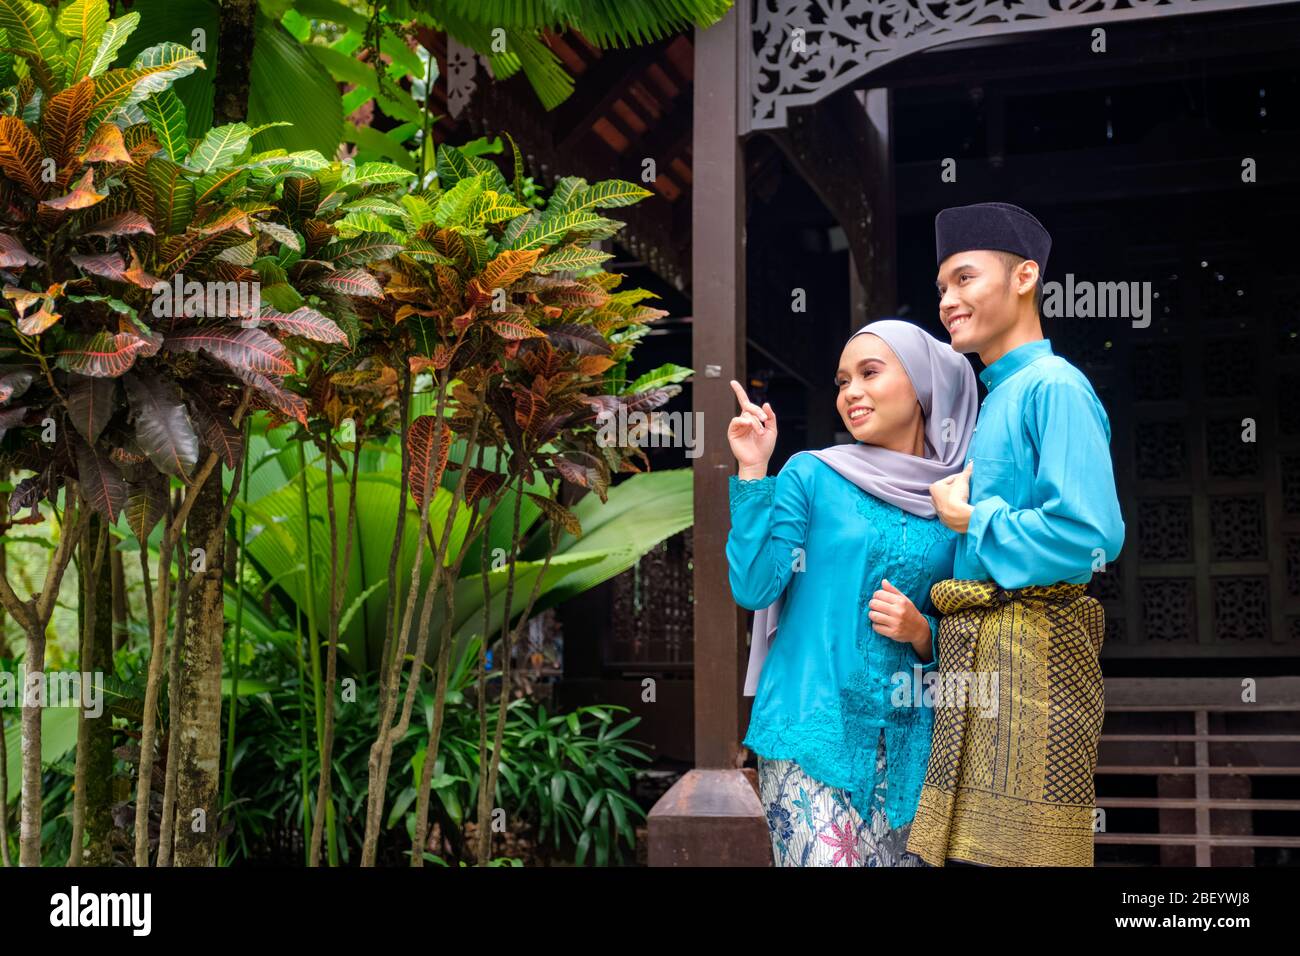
991, 225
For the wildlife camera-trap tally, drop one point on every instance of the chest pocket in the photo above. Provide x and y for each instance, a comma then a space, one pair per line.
992, 476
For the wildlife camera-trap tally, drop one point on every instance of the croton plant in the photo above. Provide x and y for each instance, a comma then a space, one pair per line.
120, 234
467, 282
159, 285
150, 278
524, 341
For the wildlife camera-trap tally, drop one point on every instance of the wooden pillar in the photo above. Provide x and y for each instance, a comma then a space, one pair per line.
712, 816
718, 355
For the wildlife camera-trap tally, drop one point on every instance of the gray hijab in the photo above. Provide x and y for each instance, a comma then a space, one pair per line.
945, 386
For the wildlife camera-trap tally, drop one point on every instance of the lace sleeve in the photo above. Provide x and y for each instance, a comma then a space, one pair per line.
769, 519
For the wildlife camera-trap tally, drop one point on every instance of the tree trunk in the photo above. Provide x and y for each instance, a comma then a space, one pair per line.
121, 607
234, 57
4, 570
35, 617
4, 796
90, 611
167, 828
29, 830
4, 751
198, 720
99, 730
158, 600
198, 725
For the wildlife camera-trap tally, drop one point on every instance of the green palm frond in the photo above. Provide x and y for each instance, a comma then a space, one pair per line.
605, 23
508, 32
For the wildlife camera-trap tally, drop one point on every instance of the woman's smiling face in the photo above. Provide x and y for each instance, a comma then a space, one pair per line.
876, 400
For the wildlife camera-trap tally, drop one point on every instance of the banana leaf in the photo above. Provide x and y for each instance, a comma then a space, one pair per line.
58, 736
280, 547
640, 513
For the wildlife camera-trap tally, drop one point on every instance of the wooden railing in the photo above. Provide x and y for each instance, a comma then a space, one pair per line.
1186, 778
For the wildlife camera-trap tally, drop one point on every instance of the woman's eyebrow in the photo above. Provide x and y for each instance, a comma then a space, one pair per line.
862, 362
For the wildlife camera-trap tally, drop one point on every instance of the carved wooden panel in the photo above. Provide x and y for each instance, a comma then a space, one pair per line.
803, 50
652, 625
1204, 406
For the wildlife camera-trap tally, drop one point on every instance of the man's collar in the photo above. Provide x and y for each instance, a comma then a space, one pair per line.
1014, 361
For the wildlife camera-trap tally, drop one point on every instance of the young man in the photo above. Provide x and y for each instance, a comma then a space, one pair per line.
1037, 514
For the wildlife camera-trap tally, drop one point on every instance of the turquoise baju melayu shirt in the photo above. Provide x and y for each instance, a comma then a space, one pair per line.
830, 684
1042, 489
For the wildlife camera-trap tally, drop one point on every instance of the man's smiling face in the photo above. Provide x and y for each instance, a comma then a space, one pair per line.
978, 295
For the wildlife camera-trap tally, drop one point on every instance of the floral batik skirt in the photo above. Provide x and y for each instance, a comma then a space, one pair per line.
813, 824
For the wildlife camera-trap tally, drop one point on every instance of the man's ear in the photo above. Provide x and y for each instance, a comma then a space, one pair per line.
1026, 276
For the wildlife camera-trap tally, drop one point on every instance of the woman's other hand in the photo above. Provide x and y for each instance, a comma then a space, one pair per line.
894, 615
752, 435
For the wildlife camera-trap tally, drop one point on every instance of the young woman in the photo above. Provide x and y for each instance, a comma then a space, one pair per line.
840, 550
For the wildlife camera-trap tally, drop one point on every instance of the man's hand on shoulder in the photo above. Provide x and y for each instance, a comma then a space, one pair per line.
951, 497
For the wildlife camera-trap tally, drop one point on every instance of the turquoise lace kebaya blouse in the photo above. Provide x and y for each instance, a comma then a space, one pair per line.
826, 690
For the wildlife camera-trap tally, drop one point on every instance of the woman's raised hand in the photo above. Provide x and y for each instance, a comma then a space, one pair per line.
752, 435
